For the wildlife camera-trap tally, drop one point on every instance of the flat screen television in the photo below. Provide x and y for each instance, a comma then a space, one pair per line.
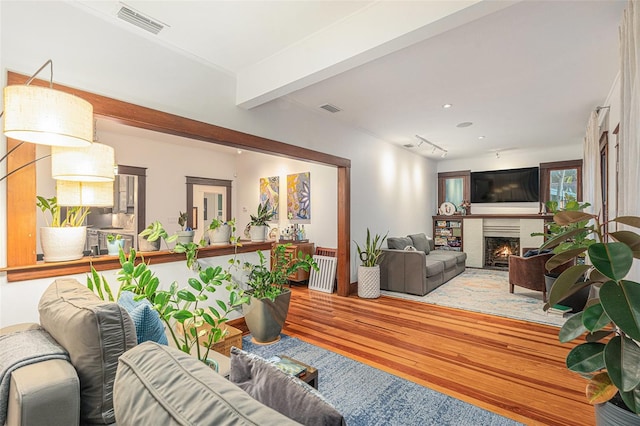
505, 186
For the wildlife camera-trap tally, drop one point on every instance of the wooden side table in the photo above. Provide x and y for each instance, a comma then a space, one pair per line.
293, 250
310, 376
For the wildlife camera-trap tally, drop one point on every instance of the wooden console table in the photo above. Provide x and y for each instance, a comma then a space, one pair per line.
293, 250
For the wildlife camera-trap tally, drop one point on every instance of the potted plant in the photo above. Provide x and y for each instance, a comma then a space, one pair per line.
578, 240
184, 236
62, 239
369, 270
609, 356
114, 244
258, 224
192, 328
151, 237
191, 252
220, 231
269, 301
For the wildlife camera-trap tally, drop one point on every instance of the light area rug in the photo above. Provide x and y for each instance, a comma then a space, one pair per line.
367, 396
487, 291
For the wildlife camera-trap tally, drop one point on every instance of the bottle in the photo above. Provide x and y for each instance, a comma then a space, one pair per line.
303, 233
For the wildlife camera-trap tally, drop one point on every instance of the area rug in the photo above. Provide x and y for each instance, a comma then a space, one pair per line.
487, 291
368, 396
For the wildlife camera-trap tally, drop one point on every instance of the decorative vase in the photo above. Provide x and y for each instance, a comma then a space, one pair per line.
113, 247
145, 245
185, 237
369, 281
63, 243
258, 233
220, 236
610, 414
265, 318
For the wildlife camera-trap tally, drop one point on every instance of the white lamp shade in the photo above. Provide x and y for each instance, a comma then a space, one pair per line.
93, 194
93, 163
47, 116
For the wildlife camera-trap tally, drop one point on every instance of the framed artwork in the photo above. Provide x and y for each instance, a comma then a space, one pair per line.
299, 197
270, 191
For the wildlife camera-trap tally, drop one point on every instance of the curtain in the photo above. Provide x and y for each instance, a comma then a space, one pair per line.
591, 182
629, 136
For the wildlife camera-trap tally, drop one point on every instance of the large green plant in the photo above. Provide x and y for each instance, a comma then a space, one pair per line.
610, 356
579, 239
75, 215
155, 231
269, 283
371, 250
177, 305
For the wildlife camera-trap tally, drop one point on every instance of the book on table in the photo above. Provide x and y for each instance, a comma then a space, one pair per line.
558, 309
288, 366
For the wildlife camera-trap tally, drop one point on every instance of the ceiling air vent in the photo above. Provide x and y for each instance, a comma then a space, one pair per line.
139, 20
408, 145
331, 108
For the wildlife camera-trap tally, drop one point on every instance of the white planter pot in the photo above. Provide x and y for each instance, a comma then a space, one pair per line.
113, 247
369, 281
258, 233
63, 243
144, 245
185, 237
220, 236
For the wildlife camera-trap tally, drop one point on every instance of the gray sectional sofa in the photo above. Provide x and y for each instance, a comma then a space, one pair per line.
412, 265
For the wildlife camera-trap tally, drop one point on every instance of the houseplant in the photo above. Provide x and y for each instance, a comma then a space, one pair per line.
191, 326
114, 244
258, 224
610, 356
184, 236
62, 239
269, 298
151, 237
369, 270
220, 231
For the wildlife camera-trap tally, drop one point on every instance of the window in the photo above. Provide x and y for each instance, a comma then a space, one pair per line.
454, 187
561, 181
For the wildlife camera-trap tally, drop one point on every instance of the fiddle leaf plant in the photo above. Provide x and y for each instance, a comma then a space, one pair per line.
610, 355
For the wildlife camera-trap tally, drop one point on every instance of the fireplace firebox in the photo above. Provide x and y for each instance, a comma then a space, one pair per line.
497, 251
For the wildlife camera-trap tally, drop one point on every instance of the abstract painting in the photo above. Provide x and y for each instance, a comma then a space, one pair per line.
270, 191
299, 196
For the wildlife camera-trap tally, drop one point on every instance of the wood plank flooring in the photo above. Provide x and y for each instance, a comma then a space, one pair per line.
510, 367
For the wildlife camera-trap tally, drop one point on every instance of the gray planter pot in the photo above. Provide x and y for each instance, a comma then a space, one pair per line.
144, 245
265, 318
609, 414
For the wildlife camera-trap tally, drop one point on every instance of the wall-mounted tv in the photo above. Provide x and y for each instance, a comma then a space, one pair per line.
506, 186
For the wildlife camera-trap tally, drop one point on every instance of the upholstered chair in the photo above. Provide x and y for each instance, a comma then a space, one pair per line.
528, 272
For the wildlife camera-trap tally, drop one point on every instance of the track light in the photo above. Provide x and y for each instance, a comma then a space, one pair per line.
435, 147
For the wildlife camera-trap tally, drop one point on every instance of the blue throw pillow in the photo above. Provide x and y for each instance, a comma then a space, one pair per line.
148, 324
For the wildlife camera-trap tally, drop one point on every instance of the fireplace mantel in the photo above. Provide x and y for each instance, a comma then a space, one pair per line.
545, 217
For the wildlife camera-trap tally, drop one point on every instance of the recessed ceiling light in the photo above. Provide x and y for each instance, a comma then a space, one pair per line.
480, 137
445, 106
464, 124
239, 151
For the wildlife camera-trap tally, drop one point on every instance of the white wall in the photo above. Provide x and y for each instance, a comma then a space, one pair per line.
391, 188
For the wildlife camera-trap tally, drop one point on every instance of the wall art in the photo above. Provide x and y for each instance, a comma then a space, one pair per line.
270, 191
299, 197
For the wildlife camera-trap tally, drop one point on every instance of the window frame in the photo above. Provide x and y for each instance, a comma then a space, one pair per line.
545, 177
465, 175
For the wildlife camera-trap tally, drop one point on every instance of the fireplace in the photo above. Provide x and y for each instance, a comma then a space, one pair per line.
497, 251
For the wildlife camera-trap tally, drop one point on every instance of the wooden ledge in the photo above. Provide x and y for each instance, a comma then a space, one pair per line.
106, 262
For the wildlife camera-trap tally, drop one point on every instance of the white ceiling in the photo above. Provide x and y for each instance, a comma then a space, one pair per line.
525, 73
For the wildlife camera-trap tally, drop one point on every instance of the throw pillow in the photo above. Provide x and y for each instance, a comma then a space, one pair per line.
161, 385
147, 321
398, 243
410, 248
95, 333
420, 242
282, 392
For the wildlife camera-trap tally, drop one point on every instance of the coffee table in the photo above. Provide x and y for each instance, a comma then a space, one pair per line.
310, 376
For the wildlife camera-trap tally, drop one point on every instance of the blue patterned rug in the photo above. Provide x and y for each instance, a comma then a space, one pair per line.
368, 396
487, 291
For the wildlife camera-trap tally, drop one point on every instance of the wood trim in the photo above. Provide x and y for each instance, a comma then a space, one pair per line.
192, 180
103, 263
546, 168
465, 175
150, 119
141, 203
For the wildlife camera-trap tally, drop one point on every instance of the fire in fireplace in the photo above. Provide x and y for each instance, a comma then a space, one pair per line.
498, 249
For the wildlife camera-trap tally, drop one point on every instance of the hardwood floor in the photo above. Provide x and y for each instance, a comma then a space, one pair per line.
510, 367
